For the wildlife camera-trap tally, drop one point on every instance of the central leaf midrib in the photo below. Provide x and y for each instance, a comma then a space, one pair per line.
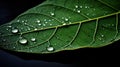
73, 23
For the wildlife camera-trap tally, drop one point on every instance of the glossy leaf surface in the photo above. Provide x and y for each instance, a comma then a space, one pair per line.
57, 25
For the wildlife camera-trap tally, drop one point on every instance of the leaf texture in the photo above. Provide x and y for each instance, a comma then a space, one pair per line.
57, 25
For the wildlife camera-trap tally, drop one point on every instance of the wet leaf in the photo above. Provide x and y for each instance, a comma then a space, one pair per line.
57, 25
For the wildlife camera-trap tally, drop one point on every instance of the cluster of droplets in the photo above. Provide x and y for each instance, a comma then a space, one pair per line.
101, 38
77, 8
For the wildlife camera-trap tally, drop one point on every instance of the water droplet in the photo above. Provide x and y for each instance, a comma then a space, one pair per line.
44, 25
66, 19
23, 41
50, 24
50, 48
4, 40
18, 20
78, 11
112, 25
15, 31
102, 35
14, 47
87, 13
39, 24
80, 6
35, 29
9, 26
33, 39
38, 21
52, 14
23, 21
46, 22
64, 23
86, 7
76, 6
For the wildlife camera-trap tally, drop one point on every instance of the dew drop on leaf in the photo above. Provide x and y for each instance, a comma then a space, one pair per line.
64, 23
15, 31
76, 6
33, 39
23, 41
66, 19
78, 11
52, 14
50, 48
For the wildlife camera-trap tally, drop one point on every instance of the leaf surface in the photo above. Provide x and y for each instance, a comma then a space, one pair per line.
57, 25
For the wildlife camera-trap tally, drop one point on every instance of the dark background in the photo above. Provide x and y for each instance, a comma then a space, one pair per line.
9, 9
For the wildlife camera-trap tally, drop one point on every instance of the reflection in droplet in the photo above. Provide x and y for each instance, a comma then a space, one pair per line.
15, 31
33, 39
23, 41
50, 48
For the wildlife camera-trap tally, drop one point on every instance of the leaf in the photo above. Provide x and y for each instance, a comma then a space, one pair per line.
58, 25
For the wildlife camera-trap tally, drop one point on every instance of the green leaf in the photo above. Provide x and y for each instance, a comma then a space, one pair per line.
58, 25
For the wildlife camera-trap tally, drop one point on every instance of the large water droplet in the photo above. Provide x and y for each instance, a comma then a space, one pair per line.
33, 39
50, 48
23, 41
15, 31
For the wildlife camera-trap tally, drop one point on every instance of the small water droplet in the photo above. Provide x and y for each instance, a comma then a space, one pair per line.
39, 24
80, 6
23, 21
78, 11
66, 19
76, 6
9, 26
35, 29
44, 25
50, 48
14, 47
64, 23
23, 41
100, 38
18, 20
38, 21
46, 22
50, 24
102, 35
15, 31
33, 39
112, 25
52, 14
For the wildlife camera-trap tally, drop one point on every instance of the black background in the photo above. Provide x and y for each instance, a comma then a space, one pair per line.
78, 58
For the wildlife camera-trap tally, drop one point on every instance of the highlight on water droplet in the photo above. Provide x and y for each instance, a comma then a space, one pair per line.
64, 23
66, 19
50, 49
76, 6
23, 41
15, 31
52, 14
78, 11
33, 39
